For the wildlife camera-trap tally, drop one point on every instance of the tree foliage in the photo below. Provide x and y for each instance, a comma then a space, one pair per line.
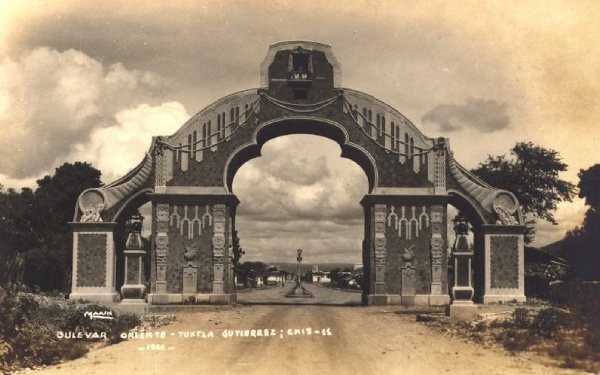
532, 173
237, 249
581, 245
34, 224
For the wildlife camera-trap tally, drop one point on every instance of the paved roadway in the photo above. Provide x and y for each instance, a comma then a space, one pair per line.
276, 295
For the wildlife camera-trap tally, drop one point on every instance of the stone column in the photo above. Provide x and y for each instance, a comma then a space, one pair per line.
218, 243
161, 243
222, 212
94, 262
504, 263
408, 292
462, 255
437, 296
379, 245
133, 289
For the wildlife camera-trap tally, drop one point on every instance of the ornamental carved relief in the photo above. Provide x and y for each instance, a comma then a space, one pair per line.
437, 248
408, 255
161, 241
91, 203
409, 221
505, 218
505, 205
191, 221
440, 167
379, 241
218, 240
162, 212
161, 167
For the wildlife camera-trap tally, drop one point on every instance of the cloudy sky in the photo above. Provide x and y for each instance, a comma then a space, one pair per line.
94, 80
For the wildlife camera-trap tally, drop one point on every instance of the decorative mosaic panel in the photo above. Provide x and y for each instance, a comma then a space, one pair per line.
504, 261
133, 270
91, 259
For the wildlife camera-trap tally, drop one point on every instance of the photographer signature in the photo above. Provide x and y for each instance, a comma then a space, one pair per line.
99, 315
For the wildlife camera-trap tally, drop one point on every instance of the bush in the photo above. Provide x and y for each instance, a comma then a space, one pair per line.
28, 333
122, 324
76, 321
515, 340
29, 325
548, 321
521, 318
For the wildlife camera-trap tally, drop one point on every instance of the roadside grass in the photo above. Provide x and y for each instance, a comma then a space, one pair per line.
568, 335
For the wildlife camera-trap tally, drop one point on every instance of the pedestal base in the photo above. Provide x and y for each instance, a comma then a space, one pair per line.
378, 299
133, 291
408, 300
199, 299
462, 311
222, 299
439, 299
132, 306
495, 298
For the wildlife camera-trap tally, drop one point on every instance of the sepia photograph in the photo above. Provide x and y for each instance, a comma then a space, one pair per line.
251, 187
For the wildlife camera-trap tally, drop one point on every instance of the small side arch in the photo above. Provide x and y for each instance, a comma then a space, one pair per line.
468, 207
132, 203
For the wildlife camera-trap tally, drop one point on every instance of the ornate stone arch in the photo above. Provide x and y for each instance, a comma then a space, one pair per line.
188, 176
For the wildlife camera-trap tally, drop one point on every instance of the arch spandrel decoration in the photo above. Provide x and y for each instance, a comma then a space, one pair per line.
191, 171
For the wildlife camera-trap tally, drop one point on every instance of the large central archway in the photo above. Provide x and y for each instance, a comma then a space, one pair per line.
411, 177
301, 125
300, 194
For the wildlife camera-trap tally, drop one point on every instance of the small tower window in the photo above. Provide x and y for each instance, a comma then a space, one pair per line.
300, 65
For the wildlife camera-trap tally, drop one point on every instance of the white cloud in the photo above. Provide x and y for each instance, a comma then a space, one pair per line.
301, 194
117, 148
51, 101
569, 215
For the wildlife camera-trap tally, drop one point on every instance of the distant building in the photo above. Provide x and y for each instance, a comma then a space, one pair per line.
245, 280
275, 275
320, 277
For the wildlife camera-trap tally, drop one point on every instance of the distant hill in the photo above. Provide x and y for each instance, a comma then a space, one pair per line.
555, 248
535, 255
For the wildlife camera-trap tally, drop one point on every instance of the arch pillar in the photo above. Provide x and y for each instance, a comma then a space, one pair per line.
504, 262
191, 246
404, 251
94, 262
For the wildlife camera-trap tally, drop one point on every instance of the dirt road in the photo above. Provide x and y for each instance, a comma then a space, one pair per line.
362, 340
321, 295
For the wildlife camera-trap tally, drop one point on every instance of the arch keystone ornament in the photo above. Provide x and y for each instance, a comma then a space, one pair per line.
188, 177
